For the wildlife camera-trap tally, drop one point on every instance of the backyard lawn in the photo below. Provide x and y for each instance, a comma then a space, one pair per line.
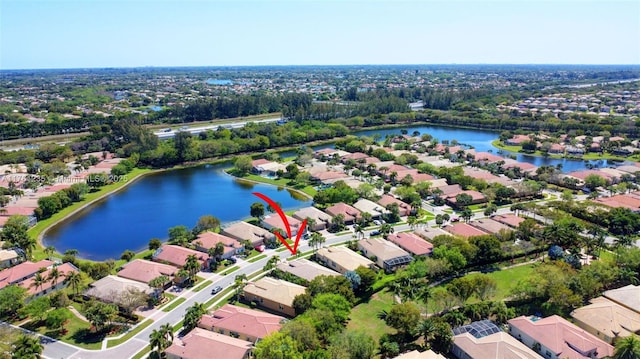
77, 332
364, 316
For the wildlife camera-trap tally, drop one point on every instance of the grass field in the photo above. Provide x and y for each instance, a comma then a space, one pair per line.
77, 332
282, 182
130, 334
364, 316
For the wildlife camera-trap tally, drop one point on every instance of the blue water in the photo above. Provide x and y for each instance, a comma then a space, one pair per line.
149, 207
481, 141
219, 82
146, 209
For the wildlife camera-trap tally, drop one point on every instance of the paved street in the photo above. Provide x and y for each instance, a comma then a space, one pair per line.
195, 130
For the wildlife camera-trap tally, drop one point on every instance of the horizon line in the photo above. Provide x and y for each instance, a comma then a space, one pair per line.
312, 65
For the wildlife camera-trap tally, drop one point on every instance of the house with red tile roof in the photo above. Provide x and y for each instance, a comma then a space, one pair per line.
385, 254
22, 271
517, 140
558, 338
203, 344
404, 208
415, 175
557, 148
509, 219
353, 156
490, 226
411, 243
207, 240
350, 214
177, 256
486, 157
273, 221
463, 230
50, 284
145, 271
629, 200
242, 323
476, 197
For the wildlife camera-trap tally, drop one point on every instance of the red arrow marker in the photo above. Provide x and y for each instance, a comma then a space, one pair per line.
278, 210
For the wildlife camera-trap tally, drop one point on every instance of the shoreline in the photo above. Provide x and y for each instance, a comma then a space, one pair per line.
42, 232
270, 184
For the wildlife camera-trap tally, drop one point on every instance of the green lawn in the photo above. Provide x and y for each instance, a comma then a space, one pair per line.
506, 279
173, 304
282, 182
130, 334
142, 354
255, 259
78, 332
364, 316
230, 270
202, 286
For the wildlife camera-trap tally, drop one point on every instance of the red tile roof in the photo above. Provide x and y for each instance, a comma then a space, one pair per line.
561, 336
509, 219
346, 210
17, 273
210, 240
411, 243
144, 271
251, 323
463, 230
64, 269
203, 344
386, 200
177, 255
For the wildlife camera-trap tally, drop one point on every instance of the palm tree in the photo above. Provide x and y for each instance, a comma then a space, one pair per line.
54, 275
38, 281
359, 229
239, 284
386, 229
49, 250
74, 279
158, 282
161, 338
27, 347
192, 266
311, 223
627, 348
316, 240
412, 221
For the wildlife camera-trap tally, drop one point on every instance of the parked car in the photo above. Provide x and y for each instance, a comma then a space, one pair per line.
377, 222
374, 233
455, 219
232, 260
217, 289
260, 248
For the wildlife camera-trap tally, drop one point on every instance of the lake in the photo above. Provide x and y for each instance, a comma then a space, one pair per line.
149, 207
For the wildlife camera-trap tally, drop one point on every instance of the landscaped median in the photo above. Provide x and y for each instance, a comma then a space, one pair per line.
130, 334
173, 304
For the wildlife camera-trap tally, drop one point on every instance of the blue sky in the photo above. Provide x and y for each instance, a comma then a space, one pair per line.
93, 33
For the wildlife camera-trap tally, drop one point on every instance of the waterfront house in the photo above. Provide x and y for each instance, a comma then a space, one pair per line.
558, 339
349, 213
145, 271
517, 140
22, 271
177, 256
305, 269
320, 219
273, 294
342, 259
386, 255
209, 240
274, 222
244, 231
411, 243
203, 344
50, 284
242, 323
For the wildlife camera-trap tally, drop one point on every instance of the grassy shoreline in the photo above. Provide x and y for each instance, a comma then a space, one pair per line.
589, 156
